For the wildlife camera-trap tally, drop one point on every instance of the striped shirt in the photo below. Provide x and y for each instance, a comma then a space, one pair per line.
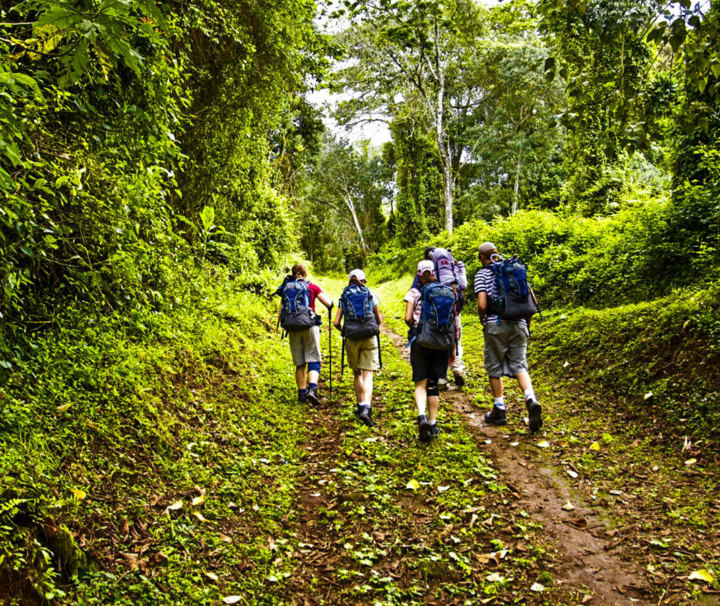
485, 282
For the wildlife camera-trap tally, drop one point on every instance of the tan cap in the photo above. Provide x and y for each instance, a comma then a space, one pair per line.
485, 248
357, 273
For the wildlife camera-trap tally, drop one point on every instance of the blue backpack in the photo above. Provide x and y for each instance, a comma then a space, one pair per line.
436, 329
297, 315
357, 305
514, 301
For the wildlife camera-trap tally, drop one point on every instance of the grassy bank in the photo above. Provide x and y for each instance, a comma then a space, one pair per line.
148, 458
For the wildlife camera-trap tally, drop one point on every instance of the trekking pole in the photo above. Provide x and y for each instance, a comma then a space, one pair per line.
330, 344
534, 298
379, 351
342, 358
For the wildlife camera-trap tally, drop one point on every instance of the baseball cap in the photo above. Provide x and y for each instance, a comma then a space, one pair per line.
485, 248
424, 266
357, 273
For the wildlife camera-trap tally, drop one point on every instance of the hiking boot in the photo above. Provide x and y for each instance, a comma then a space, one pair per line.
496, 416
312, 396
302, 398
423, 429
443, 385
434, 431
459, 380
364, 413
535, 413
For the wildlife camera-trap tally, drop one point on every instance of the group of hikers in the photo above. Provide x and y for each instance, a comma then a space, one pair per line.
433, 307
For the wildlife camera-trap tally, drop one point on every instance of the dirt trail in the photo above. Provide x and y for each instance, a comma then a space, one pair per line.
591, 555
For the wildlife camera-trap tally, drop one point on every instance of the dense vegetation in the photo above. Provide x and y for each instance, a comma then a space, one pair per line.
160, 163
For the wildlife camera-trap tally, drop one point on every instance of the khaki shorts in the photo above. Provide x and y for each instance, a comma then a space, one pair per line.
363, 355
305, 346
505, 348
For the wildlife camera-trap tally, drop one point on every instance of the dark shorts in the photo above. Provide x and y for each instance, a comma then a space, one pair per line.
430, 364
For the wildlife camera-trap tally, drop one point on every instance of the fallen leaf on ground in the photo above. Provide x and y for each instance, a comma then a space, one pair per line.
413, 485
443, 488
595, 446
212, 575
78, 494
537, 587
175, 506
572, 474
233, 599
566, 364
690, 462
199, 516
63, 408
224, 538
586, 599
198, 501
514, 443
580, 523
568, 506
494, 578
544, 444
649, 395
701, 575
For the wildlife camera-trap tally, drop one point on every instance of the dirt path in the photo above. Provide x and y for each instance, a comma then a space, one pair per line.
591, 556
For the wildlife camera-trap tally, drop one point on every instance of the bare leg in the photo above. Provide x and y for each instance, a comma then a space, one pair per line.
367, 379
433, 402
524, 381
421, 396
359, 385
496, 385
313, 376
300, 377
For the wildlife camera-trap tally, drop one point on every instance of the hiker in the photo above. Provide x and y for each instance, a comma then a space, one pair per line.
506, 332
430, 315
451, 273
361, 338
298, 318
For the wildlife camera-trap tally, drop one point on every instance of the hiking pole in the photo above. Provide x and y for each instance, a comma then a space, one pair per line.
330, 344
342, 358
534, 298
379, 351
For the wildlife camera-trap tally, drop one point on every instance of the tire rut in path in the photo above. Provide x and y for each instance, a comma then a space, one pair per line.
590, 559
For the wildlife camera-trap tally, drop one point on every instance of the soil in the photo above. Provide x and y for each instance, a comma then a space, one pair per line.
591, 555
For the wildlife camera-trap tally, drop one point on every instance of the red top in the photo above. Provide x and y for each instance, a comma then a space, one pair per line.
315, 290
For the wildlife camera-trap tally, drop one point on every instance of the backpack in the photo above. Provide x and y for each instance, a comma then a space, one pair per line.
445, 267
514, 301
360, 321
436, 329
296, 314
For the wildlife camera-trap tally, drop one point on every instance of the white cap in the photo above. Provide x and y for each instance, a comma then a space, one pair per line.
357, 273
425, 265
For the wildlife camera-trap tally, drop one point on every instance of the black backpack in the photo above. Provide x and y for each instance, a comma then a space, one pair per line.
357, 305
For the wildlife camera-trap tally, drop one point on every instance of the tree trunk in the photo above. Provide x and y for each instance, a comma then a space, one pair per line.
440, 132
351, 206
517, 183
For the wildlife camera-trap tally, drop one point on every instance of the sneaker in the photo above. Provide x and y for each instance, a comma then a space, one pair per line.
364, 413
312, 396
459, 380
423, 429
496, 416
434, 431
535, 412
302, 398
443, 385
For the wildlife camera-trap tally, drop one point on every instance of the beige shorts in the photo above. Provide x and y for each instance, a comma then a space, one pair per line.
363, 355
305, 346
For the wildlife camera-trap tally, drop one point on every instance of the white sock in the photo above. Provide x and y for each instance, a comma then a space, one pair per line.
421, 410
529, 393
500, 402
433, 423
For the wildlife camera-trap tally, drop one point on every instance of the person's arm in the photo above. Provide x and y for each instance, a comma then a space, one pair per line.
378, 315
409, 309
482, 305
325, 300
338, 318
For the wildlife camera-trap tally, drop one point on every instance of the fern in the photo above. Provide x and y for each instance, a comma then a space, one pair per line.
9, 509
